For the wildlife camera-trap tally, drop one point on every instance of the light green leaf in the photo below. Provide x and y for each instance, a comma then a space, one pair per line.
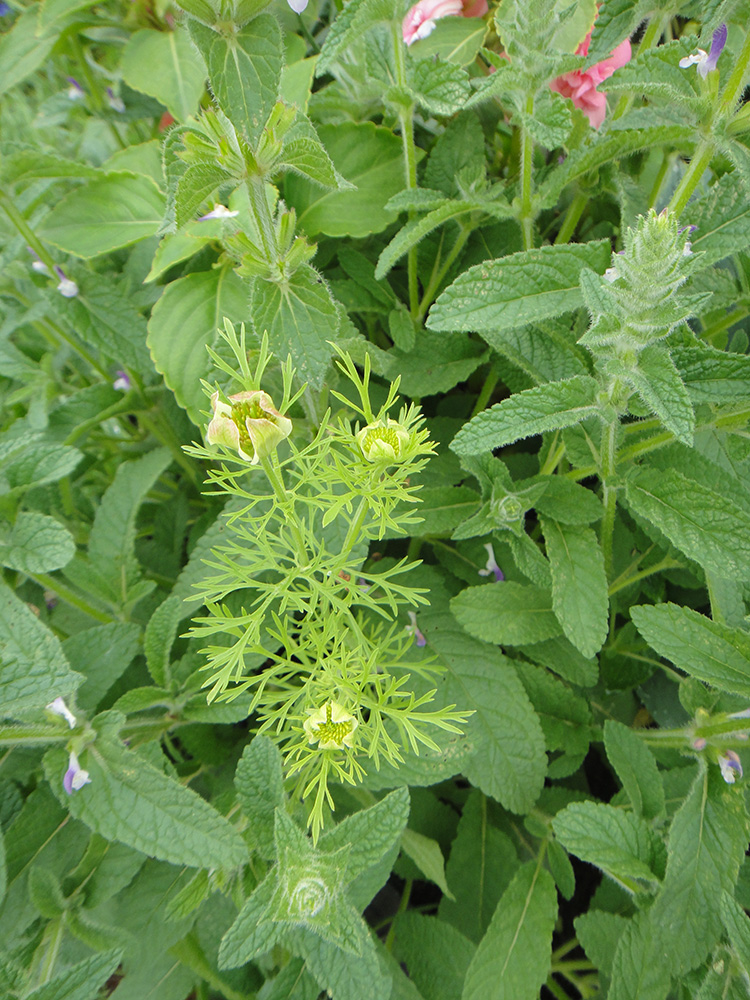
522, 288
308, 158
711, 375
506, 613
370, 158
165, 65
658, 383
566, 501
435, 953
482, 862
639, 971
707, 842
722, 215
260, 789
159, 637
300, 318
244, 69
343, 974
440, 87
184, 321
427, 856
579, 584
564, 715
617, 20
54, 10
533, 411
509, 762
714, 653
370, 833
737, 926
81, 981
102, 654
655, 72
454, 39
33, 668
698, 520
22, 50
3, 867
618, 842
513, 958
434, 365
459, 151
198, 182
561, 656
296, 81
129, 800
104, 215
36, 543
350, 24
636, 768
599, 933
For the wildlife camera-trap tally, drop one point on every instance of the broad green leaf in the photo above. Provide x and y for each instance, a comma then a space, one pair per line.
427, 856
598, 933
737, 926
636, 768
618, 842
165, 65
33, 667
343, 974
459, 151
434, 365
28, 163
22, 50
566, 501
711, 375
522, 288
699, 521
54, 10
35, 543
184, 321
307, 157
707, 842
722, 215
658, 383
370, 158
639, 969
506, 613
579, 584
104, 215
26, 460
565, 716
102, 654
296, 81
534, 411
440, 87
244, 69
443, 508
129, 800
509, 762
544, 352
300, 318
435, 953
350, 23
482, 862
617, 20
656, 73
714, 653
198, 182
3, 868
81, 981
454, 39
513, 958
260, 789
370, 833
561, 656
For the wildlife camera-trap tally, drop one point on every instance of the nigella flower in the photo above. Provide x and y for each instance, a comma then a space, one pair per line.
75, 777
731, 768
122, 382
67, 286
706, 61
75, 90
249, 423
413, 629
491, 565
331, 726
58, 707
218, 212
384, 440
420, 20
116, 103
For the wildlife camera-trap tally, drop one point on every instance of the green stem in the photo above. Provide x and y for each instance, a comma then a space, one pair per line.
716, 611
402, 906
493, 377
46, 954
437, 279
698, 165
609, 493
553, 460
624, 580
406, 117
190, 954
70, 597
527, 158
354, 529
286, 502
651, 36
124, 405
256, 190
162, 431
736, 82
661, 174
720, 326
31, 736
8, 206
572, 218
96, 98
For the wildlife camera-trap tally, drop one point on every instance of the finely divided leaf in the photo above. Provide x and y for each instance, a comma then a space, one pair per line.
522, 288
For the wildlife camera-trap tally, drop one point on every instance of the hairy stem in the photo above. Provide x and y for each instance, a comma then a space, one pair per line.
406, 117
527, 157
698, 166
608, 460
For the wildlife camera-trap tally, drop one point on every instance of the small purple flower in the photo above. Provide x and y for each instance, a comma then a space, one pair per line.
706, 61
491, 566
218, 212
58, 707
122, 381
730, 766
75, 777
116, 103
67, 287
50, 600
413, 629
744, 714
4, 9
75, 90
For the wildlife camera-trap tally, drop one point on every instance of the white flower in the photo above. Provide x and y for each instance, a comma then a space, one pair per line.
731, 768
58, 707
75, 777
491, 566
331, 726
413, 629
218, 212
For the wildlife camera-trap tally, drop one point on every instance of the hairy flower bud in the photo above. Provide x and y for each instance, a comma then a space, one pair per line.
384, 441
249, 423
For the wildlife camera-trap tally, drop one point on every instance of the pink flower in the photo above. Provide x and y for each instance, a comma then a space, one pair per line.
420, 21
580, 85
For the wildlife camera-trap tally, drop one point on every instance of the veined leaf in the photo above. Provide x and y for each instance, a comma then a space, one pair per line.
506, 613
165, 65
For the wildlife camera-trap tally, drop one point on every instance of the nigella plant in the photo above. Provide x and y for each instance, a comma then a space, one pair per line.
317, 632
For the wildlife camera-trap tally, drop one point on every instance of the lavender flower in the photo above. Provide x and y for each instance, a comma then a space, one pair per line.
731, 768
491, 565
75, 777
218, 212
58, 707
67, 286
706, 61
413, 629
122, 381
116, 103
75, 90
297, 5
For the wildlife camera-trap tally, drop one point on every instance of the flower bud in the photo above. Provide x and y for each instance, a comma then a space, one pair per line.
383, 441
249, 423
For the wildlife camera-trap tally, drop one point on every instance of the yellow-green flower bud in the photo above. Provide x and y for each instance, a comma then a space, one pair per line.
331, 726
384, 441
249, 423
